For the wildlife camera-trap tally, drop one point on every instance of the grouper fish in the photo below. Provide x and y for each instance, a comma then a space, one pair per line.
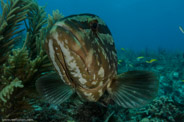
82, 50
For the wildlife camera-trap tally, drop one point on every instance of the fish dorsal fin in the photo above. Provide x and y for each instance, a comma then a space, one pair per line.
53, 89
134, 89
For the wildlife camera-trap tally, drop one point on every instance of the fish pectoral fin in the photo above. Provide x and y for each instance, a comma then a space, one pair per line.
53, 89
134, 89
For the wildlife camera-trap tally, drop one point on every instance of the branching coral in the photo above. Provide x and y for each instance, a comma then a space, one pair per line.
14, 12
21, 67
34, 25
17, 72
53, 19
37, 28
8, 90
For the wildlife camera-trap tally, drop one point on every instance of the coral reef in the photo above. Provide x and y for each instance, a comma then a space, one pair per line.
168, 106
162, 108
25, 22
169, 103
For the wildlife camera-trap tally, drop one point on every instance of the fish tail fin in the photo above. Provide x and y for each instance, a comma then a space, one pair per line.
53, 89
134, 89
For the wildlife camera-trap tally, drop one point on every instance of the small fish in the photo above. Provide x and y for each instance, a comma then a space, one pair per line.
123, 49
181, 29
151, 61
82, 50
140, 58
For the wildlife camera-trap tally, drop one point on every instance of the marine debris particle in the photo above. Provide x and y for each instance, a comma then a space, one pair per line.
181, 29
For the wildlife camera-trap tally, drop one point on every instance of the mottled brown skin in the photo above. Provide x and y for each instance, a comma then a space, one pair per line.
91, 45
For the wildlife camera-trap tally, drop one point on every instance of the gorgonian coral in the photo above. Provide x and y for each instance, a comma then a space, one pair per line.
21, 67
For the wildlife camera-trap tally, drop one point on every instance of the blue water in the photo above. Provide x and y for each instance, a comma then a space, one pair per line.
135, 24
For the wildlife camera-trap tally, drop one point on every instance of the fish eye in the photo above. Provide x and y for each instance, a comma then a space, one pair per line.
94, 25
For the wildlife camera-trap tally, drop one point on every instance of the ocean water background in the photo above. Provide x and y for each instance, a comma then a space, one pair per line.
135, 24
